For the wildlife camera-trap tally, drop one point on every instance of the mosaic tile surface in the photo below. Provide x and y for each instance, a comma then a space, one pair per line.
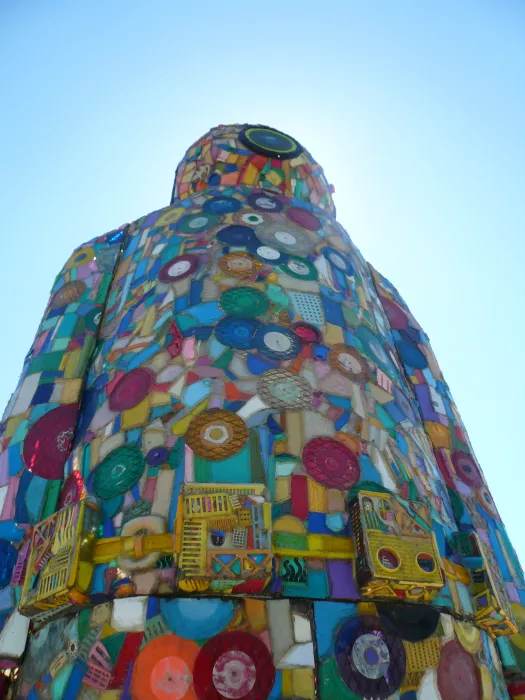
232, 467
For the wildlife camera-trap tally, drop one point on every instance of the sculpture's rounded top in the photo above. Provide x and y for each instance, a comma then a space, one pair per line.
253, 156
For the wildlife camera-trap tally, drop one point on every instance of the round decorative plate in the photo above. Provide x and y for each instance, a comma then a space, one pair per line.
222, 205
250, 218
373, 347
287, 237
303, 217
331, 463
72, 490
157, 456
197, 223
467, 469
487, 503
349, 361
413, 623
270, 142
238, 333
277, 342
216, 434
178, 268
469, 636
118, 471
263, 201
284, 390
307, 333
239, 264
371, 660
339, 261
411, 355
244, 301
300, 268
164, 669
234, 665
81, 257
458, 676
68, 294
236, 235
197, 618
48, 442
131, 389
404, 405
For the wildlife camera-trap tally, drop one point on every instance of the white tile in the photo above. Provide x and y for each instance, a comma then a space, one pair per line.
129, 614
13, 637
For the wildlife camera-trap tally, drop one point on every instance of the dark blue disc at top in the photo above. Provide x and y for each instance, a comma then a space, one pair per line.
238, 333
265, 202
338, 260
8, 557
236, 235
222, 205
411, 355
157, 456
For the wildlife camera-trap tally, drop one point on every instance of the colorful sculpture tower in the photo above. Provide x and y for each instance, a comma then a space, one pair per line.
232, 467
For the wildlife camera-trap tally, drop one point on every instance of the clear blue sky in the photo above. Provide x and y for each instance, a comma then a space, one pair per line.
416, 110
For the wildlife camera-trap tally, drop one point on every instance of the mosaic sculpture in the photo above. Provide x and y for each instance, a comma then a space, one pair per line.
232, 467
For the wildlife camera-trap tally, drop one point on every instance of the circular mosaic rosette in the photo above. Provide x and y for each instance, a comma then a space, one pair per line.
197, 223
178, 268
216, 434
331, 463
467, 469
236, 235
237, 333
234, 665
131, 389
307, 333
349, 361
239, 264
284, 390
72, 490
81, 257
277, 342
270, 142
68, 294
222, 205
267, 253
339, 261
458, 677
371, 660
118, 472
48, 442
164, 669
287, 237
266, 202
487, 502
413, 623
300, 268
244, 302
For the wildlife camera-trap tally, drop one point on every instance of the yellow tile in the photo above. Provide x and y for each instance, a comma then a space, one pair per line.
282, 489
287, 681
148, 322
160, 398
12, 425
303, 683
333, 334
136, 416
256, 613
71, 390
70, 362
250, 175
317, 497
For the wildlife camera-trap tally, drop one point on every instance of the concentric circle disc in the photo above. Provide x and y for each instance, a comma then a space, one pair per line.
270, 142
370, 659
458, 676
250, 218
413, 623
411, 355
118, 471
234, 665
349, 361
487, 502
467, 469
197, 223
469, 636
131, 389
375, 350
338, 260
287, 237
307, 333
300, 268
267, 253
68, 294
263, 201
331, 463
239, 264
277, 342
303, 217
244, 301
238, 333
178, 268
164, 669
284, 390
81, 257
48, 442
216, 434
72, 490
222, 205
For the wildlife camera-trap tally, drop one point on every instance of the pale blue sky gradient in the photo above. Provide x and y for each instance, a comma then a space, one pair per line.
415, 109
